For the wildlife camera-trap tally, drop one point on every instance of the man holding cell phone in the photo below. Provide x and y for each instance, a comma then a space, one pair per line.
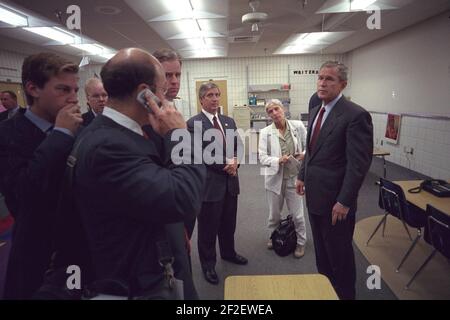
123, 191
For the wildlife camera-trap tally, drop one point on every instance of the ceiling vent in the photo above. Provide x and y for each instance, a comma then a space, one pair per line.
243, 39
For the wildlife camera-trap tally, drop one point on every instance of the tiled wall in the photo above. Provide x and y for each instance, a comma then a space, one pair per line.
11, 66
261, 70
429, 138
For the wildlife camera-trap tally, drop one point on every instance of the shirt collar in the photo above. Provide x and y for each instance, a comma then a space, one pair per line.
332, 103
210, 115
42, 124
123, 120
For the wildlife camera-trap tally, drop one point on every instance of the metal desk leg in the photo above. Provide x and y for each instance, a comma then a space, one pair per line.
384, 167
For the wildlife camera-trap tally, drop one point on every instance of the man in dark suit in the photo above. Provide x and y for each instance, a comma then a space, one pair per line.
171, 63
34, 146
340, 140
9, 100
124, 193
97, 98
217, 217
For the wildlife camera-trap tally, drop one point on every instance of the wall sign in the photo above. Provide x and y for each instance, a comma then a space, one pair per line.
304, 72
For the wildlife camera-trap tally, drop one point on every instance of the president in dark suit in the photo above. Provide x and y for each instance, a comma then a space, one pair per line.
339, 153
97, 98
124, 193
34, 145
218, 214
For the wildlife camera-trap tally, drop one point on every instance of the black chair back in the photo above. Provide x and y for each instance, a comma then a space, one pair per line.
392, 199
437, 231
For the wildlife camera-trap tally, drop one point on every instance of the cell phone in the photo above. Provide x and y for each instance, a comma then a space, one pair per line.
141, 98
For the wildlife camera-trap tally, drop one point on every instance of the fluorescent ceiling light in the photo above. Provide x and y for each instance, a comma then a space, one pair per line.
182, 15
54, 33
12, 18
177, 5
361, 4
189, 26
107, 56
312, 38
197, 34
310, 42
336, 6
90, 48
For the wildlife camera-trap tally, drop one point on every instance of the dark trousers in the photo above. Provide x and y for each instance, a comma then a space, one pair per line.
334, 252
216, 219
189, 224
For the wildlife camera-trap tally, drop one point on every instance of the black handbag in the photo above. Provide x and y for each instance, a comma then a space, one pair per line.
284, 237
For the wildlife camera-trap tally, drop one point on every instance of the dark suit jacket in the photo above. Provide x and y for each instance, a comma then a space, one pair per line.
4, 115
31, 167
218, 182
314, 101
125, 196
336, 168
88, 117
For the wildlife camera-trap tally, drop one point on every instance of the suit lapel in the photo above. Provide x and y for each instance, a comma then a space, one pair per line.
206, 123
329, 125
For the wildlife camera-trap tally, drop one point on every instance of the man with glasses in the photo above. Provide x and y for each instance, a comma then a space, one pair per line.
97, 98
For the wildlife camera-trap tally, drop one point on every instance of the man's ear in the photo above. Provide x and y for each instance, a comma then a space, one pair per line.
32, 89
344, 85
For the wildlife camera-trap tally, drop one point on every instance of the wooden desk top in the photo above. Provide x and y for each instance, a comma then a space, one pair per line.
377, 152
279, 287
423, 198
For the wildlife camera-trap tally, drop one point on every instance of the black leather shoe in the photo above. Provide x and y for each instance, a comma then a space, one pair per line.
211, 276
237, 259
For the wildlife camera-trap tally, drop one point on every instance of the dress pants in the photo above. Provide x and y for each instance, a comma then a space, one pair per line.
334, 252
216, 219
295, 208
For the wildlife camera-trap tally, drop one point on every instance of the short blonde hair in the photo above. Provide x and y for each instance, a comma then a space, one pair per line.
273, 102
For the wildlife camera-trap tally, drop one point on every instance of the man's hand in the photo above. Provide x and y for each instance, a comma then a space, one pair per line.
299, 156
300, 187
69, 118
231, 167
165, 118
339, 213
283, 159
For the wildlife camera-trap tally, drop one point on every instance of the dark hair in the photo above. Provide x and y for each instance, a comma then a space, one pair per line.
166, 54
39, 68
120, 79
205, 87
341, 68
11, 93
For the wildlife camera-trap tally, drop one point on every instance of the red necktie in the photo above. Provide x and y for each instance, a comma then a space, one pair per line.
316, 131
217, 126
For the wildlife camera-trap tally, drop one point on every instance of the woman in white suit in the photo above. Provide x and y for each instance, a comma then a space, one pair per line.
281, 148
